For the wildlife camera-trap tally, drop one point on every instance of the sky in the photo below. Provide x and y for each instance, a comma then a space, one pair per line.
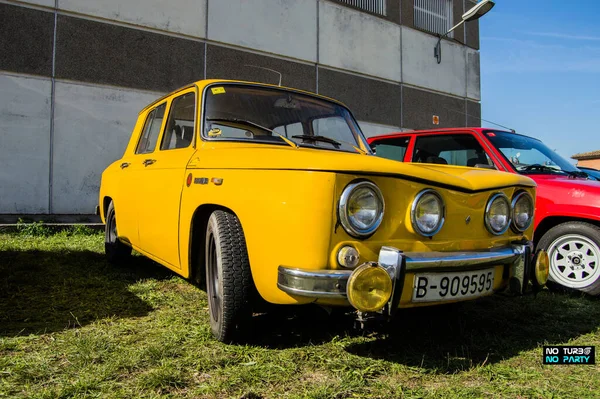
540, 71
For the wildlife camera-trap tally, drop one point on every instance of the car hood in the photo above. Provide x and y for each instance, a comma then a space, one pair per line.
250, 156
567, 182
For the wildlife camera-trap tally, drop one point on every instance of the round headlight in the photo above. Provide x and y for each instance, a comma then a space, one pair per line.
361, 208
427, 213
497, 214
522, 211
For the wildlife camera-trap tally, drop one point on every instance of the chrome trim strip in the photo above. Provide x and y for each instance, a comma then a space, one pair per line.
416, 261
332, 283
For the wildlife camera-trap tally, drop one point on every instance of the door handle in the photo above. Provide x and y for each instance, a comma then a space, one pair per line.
148, 162
124, 165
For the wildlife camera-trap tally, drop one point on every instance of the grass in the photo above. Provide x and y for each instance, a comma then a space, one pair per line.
72, 326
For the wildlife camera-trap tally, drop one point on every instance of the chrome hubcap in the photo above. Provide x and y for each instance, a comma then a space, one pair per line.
574, 261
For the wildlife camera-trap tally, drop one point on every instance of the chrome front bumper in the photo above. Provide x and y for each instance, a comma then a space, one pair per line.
332, 283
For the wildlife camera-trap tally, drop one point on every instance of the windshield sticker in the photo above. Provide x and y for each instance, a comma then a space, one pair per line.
218, 90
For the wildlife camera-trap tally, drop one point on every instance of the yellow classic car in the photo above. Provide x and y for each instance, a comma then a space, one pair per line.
259, 191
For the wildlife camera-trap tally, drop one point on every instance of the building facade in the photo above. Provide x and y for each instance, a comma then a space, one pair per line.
75, 73
588, 159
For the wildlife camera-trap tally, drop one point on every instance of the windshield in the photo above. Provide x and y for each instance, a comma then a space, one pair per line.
528, 155
235, 112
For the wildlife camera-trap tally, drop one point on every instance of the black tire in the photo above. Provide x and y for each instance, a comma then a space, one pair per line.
229, 282
574, 251
116, 251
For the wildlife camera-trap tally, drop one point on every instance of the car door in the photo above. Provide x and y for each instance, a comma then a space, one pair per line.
132, 168
163, 179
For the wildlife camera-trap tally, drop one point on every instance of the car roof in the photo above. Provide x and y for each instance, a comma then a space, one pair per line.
207, 82
442, 130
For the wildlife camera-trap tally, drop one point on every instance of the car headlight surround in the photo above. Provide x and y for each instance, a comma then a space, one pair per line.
522, 211
424, 223
361, 208
498, 214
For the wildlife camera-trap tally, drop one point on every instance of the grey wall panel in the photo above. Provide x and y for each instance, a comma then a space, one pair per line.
420, 67
286, 27
24, 144
108, 54
92, 126
356, 41
420, 106
26, 40
474, 112
180, 16
473, 75
459, 33
408, 12
227, 63
369, 100
473, 34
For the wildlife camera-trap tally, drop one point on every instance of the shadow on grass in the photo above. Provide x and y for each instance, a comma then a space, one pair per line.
449, 339
442, 339
47, 291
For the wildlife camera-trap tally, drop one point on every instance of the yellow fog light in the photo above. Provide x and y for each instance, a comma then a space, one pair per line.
369, 288
542, 267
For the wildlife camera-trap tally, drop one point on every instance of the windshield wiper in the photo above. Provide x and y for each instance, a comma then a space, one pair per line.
329, 140
288, 141
544, 168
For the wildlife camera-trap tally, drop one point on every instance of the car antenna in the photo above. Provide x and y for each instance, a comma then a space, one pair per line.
267, 69
480, 118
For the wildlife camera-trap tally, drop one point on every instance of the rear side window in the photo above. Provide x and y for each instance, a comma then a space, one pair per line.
179, 130
152, 127
391, 148
451, 149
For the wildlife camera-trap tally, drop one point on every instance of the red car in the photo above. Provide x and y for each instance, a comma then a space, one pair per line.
567, 215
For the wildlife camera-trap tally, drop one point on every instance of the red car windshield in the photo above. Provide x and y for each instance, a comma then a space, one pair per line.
528, 155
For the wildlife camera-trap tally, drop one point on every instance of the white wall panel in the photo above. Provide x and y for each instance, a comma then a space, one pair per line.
92, 126
286, 27
180, 16
357, 41
420, 67
473, 75
375, 129
24, 144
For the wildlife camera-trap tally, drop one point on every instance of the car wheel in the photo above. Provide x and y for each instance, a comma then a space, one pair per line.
574, 251
228, 277
116, 251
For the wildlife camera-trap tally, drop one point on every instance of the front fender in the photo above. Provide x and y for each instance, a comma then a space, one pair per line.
286, 216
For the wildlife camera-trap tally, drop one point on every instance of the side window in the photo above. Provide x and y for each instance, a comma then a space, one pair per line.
179, 130
152, 127
451, 149
391, 149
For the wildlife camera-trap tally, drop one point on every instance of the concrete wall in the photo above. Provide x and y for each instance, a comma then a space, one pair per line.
67, 106
24, 144
92, 126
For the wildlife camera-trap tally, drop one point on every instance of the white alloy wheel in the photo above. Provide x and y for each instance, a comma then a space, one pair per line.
574, 261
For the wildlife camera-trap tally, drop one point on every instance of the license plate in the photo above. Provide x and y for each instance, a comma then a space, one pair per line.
436, 287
